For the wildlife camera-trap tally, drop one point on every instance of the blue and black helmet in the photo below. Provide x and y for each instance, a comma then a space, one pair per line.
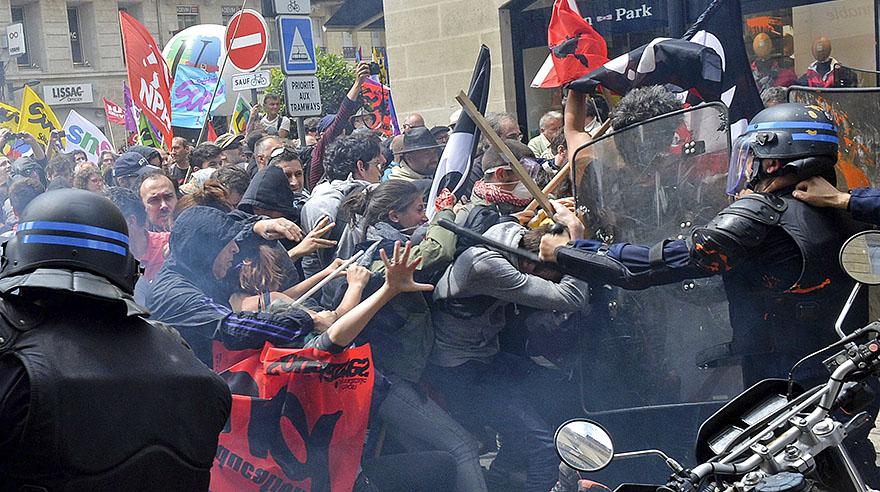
76, 230
803, 138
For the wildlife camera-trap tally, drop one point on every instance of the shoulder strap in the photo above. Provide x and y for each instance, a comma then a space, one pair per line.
760, 207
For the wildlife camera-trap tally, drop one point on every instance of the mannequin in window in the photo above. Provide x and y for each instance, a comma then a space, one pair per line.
768, 68
788, 51
826, 71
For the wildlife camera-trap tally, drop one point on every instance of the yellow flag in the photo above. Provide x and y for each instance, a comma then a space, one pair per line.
9, 117
240, 116
37, 117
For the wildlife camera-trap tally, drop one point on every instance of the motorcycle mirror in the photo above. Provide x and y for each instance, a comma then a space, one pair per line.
860, 257
584, 445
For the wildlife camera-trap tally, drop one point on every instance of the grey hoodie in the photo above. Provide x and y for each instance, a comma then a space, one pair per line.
324, 202
480, 271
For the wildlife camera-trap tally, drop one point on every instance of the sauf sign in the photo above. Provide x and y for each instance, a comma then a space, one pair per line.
68, 94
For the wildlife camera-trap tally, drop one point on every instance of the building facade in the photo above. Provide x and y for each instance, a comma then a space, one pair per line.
432, 44
74, 53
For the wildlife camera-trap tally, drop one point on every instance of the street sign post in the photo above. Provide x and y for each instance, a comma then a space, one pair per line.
15, 39
253, 80
247, 40
303, 96
297, 45
293, 7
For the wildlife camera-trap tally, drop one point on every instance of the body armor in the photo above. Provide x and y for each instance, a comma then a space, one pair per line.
116, 402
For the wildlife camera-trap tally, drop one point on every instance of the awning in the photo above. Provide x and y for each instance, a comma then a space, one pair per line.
357, 15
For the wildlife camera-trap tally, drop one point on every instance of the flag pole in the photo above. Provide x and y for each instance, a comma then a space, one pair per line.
110, 128
219, 79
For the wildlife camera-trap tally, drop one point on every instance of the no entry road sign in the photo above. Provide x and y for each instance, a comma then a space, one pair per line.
246, 40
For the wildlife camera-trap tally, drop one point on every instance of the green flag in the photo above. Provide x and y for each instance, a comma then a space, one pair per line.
240, 115
145, 133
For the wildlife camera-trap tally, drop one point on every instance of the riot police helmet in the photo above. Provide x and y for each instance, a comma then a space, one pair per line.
76, 230
804, 138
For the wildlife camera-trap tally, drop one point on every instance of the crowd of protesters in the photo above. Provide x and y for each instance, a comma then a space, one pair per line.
231, 234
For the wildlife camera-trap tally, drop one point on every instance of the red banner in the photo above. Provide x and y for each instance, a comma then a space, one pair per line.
148, 75
378, 99
115, 113
296, 415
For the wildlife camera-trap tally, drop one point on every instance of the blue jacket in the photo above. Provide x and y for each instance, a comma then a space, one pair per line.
864, 205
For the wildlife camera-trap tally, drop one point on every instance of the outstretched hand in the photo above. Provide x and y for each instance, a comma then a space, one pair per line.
280, 228
399, 271
314, 240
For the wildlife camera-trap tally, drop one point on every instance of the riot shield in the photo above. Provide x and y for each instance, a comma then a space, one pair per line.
854, 111
665, 345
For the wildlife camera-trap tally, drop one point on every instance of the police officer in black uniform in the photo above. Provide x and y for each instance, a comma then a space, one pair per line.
92, 396
777, 255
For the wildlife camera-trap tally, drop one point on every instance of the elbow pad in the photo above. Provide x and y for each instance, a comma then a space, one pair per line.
601, 268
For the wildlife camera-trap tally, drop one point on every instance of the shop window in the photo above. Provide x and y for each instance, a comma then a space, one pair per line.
825, 44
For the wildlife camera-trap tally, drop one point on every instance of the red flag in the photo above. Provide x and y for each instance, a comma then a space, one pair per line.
298, 420
576, 49
148, 74
115, 113
212, 133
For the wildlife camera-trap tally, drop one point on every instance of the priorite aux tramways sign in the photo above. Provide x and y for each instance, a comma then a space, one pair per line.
303, 96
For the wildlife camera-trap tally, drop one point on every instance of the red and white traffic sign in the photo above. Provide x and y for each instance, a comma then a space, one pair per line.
247, 43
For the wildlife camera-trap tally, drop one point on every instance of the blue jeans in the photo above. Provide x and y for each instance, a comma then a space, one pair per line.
417, 422
495, 394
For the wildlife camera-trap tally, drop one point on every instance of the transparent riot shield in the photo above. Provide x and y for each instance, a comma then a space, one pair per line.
855, 112
665, 345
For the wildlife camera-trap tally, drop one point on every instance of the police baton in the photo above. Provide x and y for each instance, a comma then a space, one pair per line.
479, 238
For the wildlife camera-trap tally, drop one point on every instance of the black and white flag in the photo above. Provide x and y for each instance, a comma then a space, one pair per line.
455, 163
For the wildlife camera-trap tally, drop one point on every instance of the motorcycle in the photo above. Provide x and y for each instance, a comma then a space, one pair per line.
775, 436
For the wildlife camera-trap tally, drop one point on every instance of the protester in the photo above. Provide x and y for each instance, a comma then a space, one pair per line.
21, 194
481, 384
414, 120
235, 180
352, 164
288, 160
419, 157
159, 198
129, 167
230, 148
148, 247
272, 122
269, 194
89, 180
180, 155
263, 149
550, 126
95, 397
153, 156
205, 155
501, 188
332, 126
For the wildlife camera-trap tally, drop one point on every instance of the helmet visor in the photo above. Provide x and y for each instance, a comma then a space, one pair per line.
741, 161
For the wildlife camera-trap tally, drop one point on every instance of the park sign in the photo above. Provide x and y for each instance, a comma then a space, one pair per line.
303, 96
247, 40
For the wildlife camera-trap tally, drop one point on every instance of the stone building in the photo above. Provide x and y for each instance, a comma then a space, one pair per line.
74, 47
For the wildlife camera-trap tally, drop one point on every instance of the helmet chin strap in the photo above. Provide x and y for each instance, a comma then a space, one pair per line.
806, 167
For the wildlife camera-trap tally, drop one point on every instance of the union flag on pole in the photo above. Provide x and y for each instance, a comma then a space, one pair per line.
148, 74
576, 49
115, 113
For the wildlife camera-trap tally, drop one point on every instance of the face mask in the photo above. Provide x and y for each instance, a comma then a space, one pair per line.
521, 191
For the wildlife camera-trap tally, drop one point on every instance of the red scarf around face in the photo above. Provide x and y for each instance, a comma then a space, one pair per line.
494, 194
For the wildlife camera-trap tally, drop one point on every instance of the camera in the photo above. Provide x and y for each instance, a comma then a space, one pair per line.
375, 69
